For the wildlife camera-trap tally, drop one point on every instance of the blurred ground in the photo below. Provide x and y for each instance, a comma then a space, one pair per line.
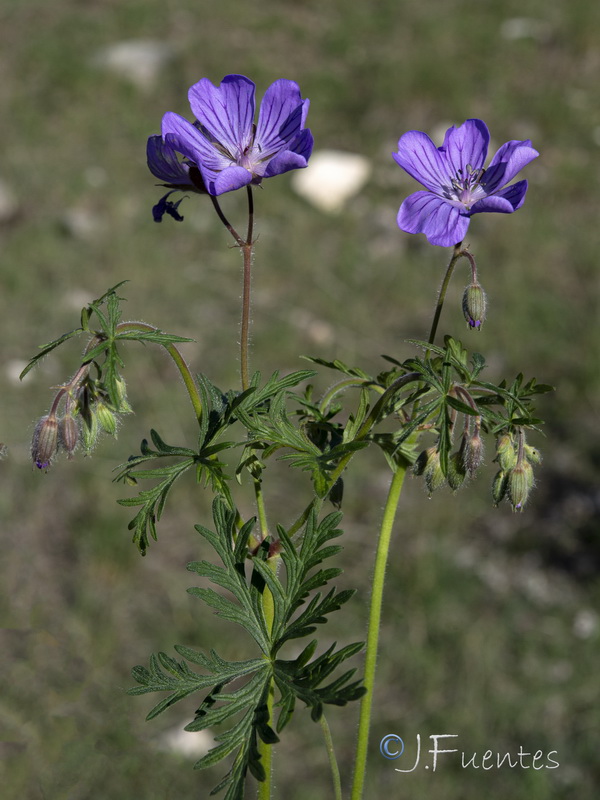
491, 628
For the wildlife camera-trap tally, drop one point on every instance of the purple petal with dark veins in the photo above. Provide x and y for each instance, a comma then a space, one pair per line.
284, 162
418, 156
187, 139
229, 179
226, 111
280, 117
441, 222
505, 201
466, 146
508, 161
164, 164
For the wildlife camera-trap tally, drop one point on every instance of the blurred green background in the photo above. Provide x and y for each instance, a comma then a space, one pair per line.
491, 627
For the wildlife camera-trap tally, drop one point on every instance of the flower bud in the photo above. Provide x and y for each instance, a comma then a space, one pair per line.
68, 434
520, 483
422, 460
499, 487
123, 407
532, 454
106, 418
44, 444
456, 471
473, 453
89, 431
474, 305
433, 474
505, 452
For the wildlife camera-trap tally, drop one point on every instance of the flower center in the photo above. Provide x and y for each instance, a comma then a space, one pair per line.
466, 186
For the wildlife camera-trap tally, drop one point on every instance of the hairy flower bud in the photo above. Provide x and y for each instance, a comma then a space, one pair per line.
89, 431
473, 453
106, 418
532, 454
44, 444
68, 434
434, 476
506, 455
456, 471
474, 305
520, 483
124, 407
499, 487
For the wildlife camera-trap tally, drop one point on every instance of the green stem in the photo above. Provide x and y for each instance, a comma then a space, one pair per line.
266, 750
179, 361
335, 770
443, 289
383, 547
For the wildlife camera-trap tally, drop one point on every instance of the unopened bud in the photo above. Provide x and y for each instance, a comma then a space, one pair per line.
106, 418
532, 454
473, 453
499, 487
456, 471
474, 305
520, 483
434, 476
45, 441
505, 452
123, 407
68, 434
89, 431
422, 460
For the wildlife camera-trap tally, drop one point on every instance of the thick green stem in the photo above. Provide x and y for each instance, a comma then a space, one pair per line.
266, 750
383, 547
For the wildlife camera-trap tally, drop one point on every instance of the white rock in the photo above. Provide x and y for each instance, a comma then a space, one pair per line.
331, 179
138, 60
187, 743
525, 28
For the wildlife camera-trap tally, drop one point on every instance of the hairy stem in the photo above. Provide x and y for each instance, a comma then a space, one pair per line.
383, 547
443, 289
179, 361
335, 770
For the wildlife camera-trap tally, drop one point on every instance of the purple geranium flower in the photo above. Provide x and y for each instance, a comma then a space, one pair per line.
457, 186
223, 149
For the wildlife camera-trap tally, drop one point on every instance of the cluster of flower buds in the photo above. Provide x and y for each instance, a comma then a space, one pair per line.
462, 464
87, 411
516, 460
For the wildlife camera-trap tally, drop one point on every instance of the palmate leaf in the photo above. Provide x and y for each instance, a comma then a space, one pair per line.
236, 692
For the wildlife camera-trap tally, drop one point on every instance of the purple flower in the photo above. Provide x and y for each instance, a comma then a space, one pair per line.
223, 149
457, 186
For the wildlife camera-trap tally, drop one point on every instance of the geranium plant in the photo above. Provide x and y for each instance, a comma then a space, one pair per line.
278, 573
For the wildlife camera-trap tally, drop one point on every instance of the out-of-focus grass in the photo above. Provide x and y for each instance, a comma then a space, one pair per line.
491, 627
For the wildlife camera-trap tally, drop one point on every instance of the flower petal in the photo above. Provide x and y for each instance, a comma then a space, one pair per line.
505, 201
226, 111
508, 161
230, 179
296, 158
164, 164
184, 137
418, 156
281, 117
466, 147
440, 221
